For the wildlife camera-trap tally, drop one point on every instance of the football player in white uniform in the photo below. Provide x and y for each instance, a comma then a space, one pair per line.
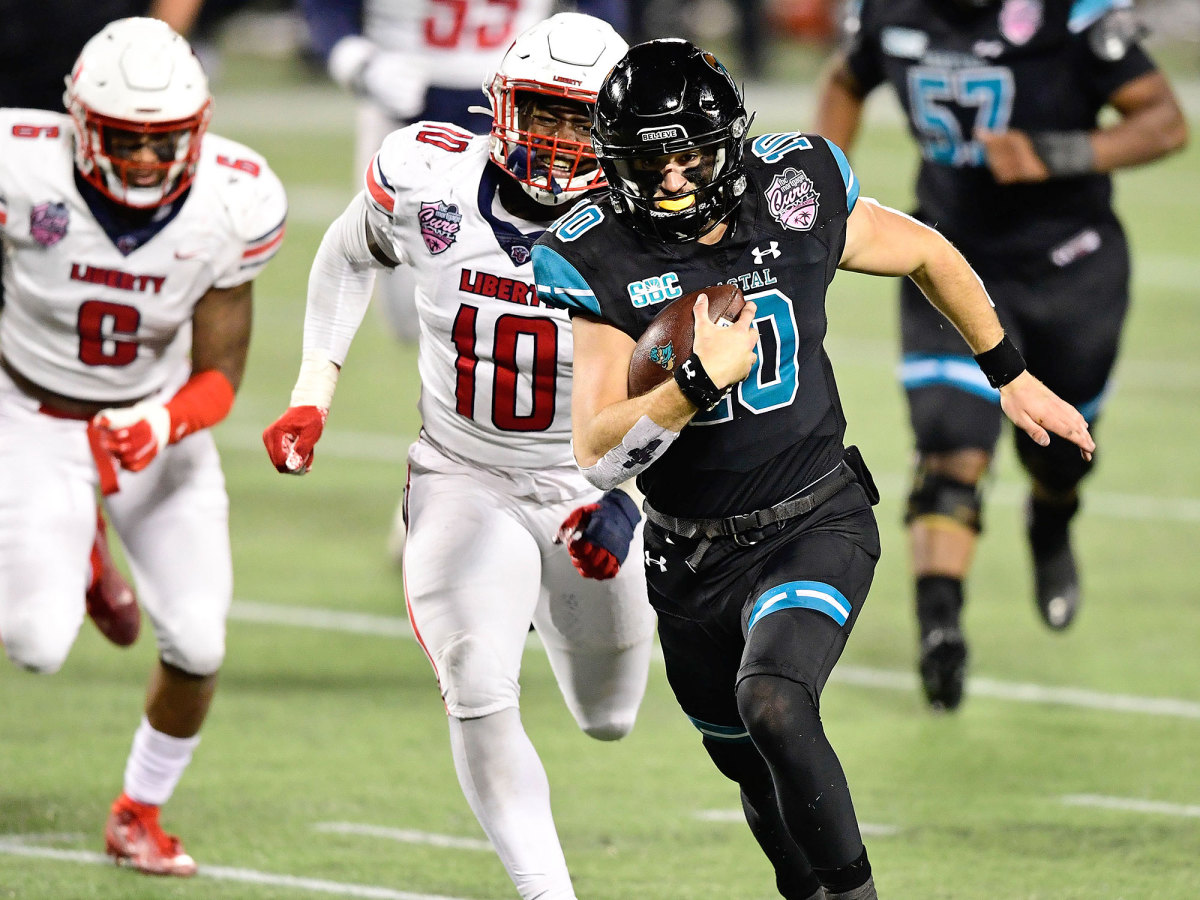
131, 239
421, 59
492, 482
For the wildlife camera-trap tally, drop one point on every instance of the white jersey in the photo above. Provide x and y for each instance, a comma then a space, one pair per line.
461, 41
88, 321
495, 364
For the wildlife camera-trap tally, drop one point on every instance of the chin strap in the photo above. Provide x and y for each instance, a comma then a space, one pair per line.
523, 164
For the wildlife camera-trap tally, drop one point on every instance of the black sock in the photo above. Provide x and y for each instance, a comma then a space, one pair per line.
939, 601
848, 877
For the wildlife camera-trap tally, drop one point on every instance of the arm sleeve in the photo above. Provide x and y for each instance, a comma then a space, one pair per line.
339, 284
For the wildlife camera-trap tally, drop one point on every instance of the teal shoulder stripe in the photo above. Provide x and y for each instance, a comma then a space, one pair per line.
1084, 13
852, 189
560, 284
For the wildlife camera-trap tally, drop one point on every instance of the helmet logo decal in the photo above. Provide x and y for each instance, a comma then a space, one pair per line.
655, 289
670, 133
663, 356
1020, 20
48, 223
440, 223
792, 201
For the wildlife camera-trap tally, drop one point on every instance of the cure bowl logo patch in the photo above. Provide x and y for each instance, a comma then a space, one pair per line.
792, 200
48, 223
1020, 20
663, 356
440, 223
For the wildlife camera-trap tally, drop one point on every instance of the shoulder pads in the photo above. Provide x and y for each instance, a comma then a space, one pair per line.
1114, 34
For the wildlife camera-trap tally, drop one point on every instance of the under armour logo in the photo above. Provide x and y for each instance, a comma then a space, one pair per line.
661, 562
760, 255
688, 370
641, 456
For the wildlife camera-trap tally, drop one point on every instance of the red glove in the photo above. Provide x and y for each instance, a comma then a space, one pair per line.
133, 435
290, 438
598, 535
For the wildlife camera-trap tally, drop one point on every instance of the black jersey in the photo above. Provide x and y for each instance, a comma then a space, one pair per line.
781, 428
1031, 65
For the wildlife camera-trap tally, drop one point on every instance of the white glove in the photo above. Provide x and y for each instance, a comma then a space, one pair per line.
395, 80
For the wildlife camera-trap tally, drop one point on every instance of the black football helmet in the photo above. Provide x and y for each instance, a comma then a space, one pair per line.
666, 97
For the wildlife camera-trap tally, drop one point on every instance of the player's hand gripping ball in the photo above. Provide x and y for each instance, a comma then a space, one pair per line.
667, 340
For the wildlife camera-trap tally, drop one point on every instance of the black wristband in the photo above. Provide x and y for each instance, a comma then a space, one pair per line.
1002, 363
696, 386
1064, 152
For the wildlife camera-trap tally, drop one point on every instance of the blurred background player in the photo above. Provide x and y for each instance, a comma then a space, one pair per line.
492, 485
131, 239
412, 60
38, 46
1004, 100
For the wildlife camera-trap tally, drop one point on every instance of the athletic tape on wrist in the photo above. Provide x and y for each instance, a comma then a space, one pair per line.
316, 382
696, 385
1002, 363
1064, 152
645, 442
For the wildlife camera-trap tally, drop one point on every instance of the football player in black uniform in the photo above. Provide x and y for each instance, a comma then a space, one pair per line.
760, 542
1003, 98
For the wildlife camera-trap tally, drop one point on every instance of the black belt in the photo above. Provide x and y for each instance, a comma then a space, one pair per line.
738, 526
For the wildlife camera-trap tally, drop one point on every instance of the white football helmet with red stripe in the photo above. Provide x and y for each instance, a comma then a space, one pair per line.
141, 104
565, 57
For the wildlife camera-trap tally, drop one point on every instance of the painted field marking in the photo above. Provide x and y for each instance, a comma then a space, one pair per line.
404, 835
859, 676
1131, 804
374, 447
22, 845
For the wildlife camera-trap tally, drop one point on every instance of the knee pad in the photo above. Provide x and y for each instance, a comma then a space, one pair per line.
1059, 467
774, 707
934, 494
195, 646
473, 680
36, 646
612, 728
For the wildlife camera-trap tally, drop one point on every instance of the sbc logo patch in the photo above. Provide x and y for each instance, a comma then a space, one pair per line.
655, 289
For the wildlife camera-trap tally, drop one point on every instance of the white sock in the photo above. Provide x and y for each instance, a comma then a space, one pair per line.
506, 787
156, 763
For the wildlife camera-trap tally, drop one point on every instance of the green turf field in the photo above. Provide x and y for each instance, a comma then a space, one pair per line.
1070, 771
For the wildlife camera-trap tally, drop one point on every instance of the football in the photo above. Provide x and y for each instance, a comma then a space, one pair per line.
667, 340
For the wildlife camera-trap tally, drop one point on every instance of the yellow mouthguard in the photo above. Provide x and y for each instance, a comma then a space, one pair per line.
677, 203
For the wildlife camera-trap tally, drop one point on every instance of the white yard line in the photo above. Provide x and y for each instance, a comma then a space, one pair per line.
13, 845
381, 448
859, 676
1130, 804
404, 835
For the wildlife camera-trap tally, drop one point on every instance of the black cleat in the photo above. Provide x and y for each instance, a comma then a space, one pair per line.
943, 667
1056, 578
